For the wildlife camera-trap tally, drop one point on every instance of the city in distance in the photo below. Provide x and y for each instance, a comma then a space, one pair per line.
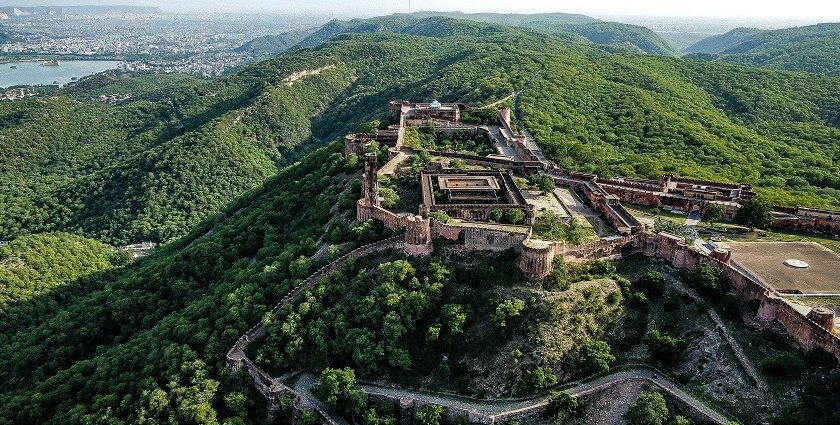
437, 213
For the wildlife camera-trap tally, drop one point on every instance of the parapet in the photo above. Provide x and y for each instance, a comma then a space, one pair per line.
823, 317
721, 255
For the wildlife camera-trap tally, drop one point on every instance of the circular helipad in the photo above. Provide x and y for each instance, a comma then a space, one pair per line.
797, 264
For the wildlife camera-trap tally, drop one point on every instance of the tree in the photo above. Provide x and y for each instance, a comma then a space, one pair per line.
541, 181
496, 215
561, 404
540, 378
454, 317
652, 284
594, 357
441, 216
429, 414
337, 390
389, 197
664, 348
755, 214
508, 308
514, 216
680, 420
714, 213
368, 127
707, 279
308, 417
649, 409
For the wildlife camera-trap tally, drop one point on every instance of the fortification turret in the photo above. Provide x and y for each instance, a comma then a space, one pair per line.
823, 317
418, 235
537, 259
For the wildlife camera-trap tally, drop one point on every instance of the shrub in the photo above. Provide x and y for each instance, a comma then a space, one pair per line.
429, 414
664, 348
562, 404
594, 357
652, 284
649, 409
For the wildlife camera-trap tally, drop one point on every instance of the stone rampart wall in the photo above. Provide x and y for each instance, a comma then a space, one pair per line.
390, 220
237, 359
598, 249
803, 330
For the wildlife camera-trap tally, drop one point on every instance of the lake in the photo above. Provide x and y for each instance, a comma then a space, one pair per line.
31, 72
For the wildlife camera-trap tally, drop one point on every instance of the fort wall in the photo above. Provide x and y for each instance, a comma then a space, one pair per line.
802, 329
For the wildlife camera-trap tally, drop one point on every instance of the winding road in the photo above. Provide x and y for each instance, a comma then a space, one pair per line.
502, 409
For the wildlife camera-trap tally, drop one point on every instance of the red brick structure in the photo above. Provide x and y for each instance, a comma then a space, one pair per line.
807, 220
472, 195
424, 111
537, 258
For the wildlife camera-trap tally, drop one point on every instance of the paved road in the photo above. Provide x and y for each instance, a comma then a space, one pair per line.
304, 384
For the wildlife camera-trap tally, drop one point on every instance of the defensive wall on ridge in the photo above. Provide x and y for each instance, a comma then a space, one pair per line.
537, 256
273, 389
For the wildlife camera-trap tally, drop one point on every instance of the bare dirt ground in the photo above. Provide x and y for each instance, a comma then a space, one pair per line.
766, 260
548, 202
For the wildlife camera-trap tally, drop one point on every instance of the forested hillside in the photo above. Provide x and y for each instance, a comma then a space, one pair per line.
274, 44
152, 167
719, 43
814, 48
145, 342
574, 28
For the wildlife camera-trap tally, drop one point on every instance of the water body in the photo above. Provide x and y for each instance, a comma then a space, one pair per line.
31, 72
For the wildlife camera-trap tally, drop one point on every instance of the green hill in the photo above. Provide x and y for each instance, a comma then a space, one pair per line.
632, 38
258, 196
513, 19
274, 44
719, 43
152, 167
567, 27
814, 48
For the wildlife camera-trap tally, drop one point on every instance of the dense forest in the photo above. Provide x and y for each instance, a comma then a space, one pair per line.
180, 149
274, 44
814, 48
156, 332
241, 177
571, 28
721, 42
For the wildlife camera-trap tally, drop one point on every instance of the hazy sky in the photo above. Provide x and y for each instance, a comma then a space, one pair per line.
824, 10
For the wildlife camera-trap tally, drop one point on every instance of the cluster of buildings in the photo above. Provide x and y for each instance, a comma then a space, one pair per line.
16, 94
203, 45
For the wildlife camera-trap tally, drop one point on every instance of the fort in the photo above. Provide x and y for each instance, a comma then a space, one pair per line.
470, 196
